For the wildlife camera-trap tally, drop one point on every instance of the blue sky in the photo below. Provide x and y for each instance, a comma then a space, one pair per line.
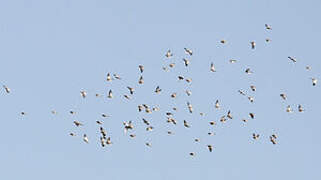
51, 50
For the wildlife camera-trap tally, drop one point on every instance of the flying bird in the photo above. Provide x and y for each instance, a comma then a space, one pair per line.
141, 68
186, 62
253, 44
251, 115
300, 108
85, 138
188, 51
6, 89
255, 136
109, 77
289, 109
186, 124
314, 81
169, 54
268, 27
217, 105
83, 94
158, 90
212, 68
141, 80
110, 94
292, 59
210, 148
131, 90
283, 96
77, 123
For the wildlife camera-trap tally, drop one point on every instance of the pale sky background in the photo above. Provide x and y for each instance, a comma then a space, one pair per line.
50, 50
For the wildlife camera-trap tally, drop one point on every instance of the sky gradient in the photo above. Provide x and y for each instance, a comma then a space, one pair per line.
51, 50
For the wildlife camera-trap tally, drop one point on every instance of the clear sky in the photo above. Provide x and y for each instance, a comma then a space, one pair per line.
51, 50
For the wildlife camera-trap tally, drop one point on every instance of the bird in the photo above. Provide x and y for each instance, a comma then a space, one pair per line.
253, 44
72, 134
102, 141
6, 89
140, 108
188, 51
308, 68
128, 126
192, 154
229, 115
210, 134
197, 140
173, 95
255, 136
223, 41
149, 128
223, 119
110, 94
169, 132
126, 96
165, 69
232, 61
190, 107
146, 122
72, 112
241, 92
217, 105
268, 27
210, 148
83, 94
186, 124
77, 123
169, 54
158, 90
267, 40
85, 138
180, 77
99, 122
188, 92
132, 135
148, 144
292, 59
289, 109
104, 115
131, 90
108, 141
141, 68
103, 131
253, 88
171, 65
186, 62
314, 81
53, 112
116, 76
283, 96
156, 108
248, 71
212, 68
273, 139
109, 78
212, 123
251, 115
171, 120
251, 99
300, 108
141, 80
188, 80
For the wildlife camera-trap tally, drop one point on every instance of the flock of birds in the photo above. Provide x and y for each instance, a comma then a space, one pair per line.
128, 126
